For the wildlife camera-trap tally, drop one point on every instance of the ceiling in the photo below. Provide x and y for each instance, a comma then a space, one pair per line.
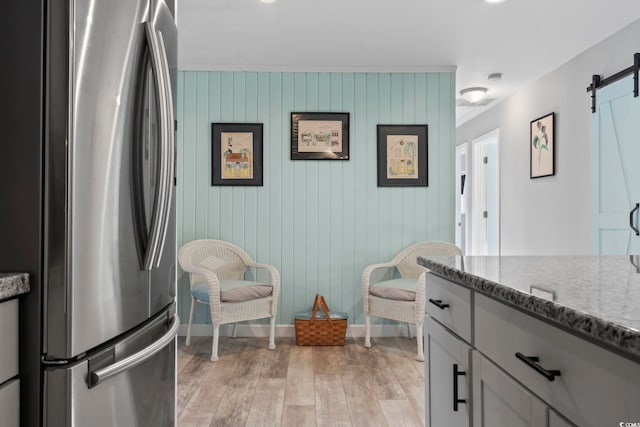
523, 39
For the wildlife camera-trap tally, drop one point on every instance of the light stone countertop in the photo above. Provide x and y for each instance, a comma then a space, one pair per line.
592, 296
13, 284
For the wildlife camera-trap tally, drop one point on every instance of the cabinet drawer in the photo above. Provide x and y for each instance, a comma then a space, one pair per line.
8, 339
449, 304
595, 387
10, 404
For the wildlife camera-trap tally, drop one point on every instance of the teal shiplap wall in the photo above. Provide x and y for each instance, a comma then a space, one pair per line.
319, 222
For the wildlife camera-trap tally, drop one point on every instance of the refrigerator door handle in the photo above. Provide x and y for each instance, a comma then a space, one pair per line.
135, 359
161, 204
169, 141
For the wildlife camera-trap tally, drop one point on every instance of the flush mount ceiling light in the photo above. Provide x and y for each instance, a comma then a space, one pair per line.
494, 1
268, 1
473, 94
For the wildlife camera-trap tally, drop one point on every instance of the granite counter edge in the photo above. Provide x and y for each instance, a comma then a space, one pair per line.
600, 330
13, 285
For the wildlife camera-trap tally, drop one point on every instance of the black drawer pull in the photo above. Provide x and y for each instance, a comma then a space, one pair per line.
456, 374
438, 303
532, 362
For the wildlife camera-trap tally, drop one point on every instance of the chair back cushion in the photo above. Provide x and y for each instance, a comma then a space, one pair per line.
396, 289
234, 291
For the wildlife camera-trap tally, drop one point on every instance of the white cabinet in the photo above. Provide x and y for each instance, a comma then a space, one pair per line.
8, 339
446, 375
592, 387
449, 305
9, 386
501, 401
10, 404
519, 370
555, 420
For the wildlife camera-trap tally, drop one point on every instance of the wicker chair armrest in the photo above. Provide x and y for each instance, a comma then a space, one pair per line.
421, 296
213, 283
366, 279
366, 273
273, 272
275, 280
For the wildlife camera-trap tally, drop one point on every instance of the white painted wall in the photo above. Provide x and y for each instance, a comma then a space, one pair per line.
551, 215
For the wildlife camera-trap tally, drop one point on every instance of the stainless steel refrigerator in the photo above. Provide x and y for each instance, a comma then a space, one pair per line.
87, 202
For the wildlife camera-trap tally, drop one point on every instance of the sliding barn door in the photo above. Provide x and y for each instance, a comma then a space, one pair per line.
615, 170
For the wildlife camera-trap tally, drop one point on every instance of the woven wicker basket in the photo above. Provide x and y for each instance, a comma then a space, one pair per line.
320, 328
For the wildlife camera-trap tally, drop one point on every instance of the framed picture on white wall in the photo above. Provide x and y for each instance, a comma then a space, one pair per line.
542, 146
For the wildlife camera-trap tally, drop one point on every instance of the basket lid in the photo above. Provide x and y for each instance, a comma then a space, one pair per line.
306, 315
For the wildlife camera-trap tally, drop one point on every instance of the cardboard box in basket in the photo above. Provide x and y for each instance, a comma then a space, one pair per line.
320, 328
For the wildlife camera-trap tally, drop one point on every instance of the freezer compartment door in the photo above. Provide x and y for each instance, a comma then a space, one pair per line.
129, 384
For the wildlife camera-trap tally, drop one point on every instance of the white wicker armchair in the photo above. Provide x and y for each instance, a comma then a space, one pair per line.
216, 273
401, 299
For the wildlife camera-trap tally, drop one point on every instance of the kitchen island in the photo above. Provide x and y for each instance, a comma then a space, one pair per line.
542, 340
12, 285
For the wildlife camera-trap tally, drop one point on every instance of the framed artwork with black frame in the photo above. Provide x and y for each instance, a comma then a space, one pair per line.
319, 136
236, 154
403, 156
542, 146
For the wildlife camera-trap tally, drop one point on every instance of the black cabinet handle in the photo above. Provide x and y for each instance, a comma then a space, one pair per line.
438, 303
532, 362
634, 228
456, 374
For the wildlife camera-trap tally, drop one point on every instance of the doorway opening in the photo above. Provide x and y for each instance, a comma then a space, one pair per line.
462, 197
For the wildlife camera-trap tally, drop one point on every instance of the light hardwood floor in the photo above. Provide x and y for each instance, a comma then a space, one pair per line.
300, 386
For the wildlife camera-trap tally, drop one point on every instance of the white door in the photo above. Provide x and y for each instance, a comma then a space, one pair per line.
485, 206
615, 174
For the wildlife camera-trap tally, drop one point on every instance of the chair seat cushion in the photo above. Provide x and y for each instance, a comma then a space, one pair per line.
396, 289
234, 291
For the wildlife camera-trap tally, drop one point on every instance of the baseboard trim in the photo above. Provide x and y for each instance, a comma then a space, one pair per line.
258, 331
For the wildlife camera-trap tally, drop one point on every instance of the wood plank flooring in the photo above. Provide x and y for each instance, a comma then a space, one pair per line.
300, 386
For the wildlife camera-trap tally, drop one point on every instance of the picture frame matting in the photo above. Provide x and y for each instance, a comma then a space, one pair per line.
237, 154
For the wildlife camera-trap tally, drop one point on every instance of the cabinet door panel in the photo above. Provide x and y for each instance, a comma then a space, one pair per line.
443, 351
555, 420
10, 404
499, 401
8, 339
496, 413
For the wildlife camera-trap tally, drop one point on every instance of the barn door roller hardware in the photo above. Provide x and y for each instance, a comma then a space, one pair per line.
597, 82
